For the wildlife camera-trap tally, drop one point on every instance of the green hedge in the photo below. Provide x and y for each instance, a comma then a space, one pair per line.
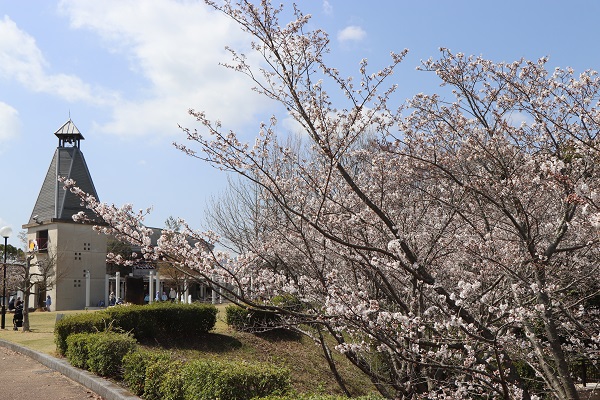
256, 320
164, 321
158, 321
135, 365
106, 352
155, 376
206, 379
171, 386
101, 353
77, 323
77, 349
288, 302
157, 385
251, 320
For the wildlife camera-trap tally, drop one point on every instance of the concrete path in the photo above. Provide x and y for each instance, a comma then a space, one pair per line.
24, 378
27, 374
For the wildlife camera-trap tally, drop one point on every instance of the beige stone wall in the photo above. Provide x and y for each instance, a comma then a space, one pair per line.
77, 248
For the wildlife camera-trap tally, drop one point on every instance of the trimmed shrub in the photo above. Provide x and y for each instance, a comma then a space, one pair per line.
256, 320
236, 317
288, 302
164, 321
78, 323
77, 349
172, 386
106, 351
135, 365
155, 374
207, 379
188, 319
131, 318
101, 353
134, 370
251, 320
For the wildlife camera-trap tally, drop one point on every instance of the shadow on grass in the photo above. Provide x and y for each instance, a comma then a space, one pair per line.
219, 343
208, 342
280, 335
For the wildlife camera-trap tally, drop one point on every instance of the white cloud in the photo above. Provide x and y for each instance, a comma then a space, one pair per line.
290, 125
176, 46
365, 122
22, 61
327, 7
517, 118
351, 33
10, 125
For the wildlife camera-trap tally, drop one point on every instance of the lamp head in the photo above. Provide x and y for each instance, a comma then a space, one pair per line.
5, 232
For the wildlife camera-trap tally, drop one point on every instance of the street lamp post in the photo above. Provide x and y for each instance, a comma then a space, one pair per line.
5, 232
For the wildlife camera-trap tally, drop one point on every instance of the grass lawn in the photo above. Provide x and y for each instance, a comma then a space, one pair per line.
41, 337
309, 370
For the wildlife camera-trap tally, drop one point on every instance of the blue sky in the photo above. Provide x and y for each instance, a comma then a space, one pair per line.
127, 71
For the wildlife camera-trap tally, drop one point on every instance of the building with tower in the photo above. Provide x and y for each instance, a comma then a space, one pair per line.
69, 257
74, 251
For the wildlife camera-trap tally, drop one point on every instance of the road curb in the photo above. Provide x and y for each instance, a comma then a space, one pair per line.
103, 387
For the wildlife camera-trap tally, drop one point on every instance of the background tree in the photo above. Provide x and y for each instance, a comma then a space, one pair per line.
122, 251
168, 270
12, 252
23, 276
235, 216
242, 215
173, 224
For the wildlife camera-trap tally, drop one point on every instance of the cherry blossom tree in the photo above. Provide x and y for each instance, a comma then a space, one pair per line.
449, 247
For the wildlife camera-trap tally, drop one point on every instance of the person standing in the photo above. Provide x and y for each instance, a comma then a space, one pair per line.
172, 295
48, 303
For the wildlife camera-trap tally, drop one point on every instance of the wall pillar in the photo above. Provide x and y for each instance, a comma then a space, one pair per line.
158, 286
106, 289
87, 274
151, 287
186, 292
118, 285
214, 290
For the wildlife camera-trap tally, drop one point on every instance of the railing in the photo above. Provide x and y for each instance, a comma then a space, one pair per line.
42, 244
586, 370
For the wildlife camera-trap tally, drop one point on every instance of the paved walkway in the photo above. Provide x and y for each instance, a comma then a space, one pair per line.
24, 378
27, 374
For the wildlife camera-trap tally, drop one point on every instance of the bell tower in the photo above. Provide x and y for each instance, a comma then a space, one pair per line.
54, 203
75, 251
68, 134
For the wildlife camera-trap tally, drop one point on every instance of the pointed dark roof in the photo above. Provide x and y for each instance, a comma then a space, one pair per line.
53, 202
